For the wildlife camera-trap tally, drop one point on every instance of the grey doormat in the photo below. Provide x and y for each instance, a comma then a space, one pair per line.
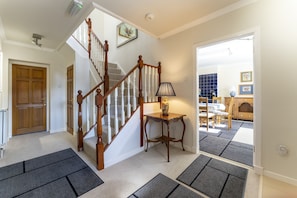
221, 144
215, 178
239, 152
59, 174
161, 187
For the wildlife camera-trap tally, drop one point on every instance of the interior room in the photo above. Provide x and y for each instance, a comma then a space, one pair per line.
224, 69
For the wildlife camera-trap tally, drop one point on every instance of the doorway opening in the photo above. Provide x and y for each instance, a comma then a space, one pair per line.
226, 70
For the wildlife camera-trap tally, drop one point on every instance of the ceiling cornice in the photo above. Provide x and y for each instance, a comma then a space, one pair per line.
209, 17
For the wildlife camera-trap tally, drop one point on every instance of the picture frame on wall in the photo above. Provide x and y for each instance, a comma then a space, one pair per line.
246, 89
125, 34
246, 76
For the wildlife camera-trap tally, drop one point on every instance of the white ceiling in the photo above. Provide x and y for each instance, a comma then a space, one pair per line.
237, 50
19, 19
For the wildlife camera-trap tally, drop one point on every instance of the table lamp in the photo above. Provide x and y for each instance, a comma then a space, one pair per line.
165, 89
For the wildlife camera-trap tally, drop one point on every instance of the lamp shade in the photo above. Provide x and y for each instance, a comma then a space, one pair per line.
165, 89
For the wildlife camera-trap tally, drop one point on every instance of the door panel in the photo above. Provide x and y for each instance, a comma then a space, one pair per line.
29, 99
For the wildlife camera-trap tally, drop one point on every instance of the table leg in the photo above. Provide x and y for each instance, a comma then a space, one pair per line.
168, 137
147, 140
184, 128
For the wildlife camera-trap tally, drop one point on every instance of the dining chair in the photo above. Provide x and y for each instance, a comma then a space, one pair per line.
218, 100
228, 114
204, 115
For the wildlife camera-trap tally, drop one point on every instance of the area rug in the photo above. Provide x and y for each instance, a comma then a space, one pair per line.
59, 174
224, 143
215, 178
161, 187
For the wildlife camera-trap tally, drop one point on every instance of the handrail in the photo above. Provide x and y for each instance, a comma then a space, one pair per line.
93, 89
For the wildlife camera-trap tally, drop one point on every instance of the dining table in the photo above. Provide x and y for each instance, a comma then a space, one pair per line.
213, 107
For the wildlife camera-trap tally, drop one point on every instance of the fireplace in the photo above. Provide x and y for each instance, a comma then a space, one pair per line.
245, 107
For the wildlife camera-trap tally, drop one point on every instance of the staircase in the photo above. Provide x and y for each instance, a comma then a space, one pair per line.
106, 109
115, 75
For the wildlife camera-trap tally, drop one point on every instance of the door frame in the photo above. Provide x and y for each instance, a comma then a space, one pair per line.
257, 162
30, 64
73, 100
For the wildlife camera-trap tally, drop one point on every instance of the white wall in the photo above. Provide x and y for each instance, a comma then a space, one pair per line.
56, 83
228, 77
125, 56
275, 76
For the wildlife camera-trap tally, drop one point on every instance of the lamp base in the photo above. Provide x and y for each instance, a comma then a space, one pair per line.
165, 108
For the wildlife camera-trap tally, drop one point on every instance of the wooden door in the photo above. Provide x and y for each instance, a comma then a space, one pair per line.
28, 99
70, 99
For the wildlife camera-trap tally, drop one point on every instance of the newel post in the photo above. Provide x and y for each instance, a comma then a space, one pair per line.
140, 98
80, 145
99, 145
106, 76
89, 22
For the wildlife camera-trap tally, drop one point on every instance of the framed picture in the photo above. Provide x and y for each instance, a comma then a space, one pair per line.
246, 76
246, 89
125, 34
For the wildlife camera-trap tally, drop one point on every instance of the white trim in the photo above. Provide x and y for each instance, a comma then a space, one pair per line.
58, 130
2, 33
122, 157
258, 170
282, 178
1, 71
209, 17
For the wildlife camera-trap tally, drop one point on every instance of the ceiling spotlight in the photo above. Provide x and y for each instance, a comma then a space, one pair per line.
74, 7
149, 16
36, 38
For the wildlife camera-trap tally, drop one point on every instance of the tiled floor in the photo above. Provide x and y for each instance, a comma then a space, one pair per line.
122, 179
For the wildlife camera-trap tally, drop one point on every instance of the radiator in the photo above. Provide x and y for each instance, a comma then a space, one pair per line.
3, 126
3, 129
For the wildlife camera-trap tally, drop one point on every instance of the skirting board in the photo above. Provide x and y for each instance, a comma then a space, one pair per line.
58, 130
281, 177
258, 170
123, 157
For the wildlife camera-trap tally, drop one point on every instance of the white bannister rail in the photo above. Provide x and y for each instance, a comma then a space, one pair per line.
129, 93
118, 104
81, 35
88, 39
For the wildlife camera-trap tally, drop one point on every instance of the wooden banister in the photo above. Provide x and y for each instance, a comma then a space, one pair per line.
89, 23
140, 98
93, 89
99, 145
128, 102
